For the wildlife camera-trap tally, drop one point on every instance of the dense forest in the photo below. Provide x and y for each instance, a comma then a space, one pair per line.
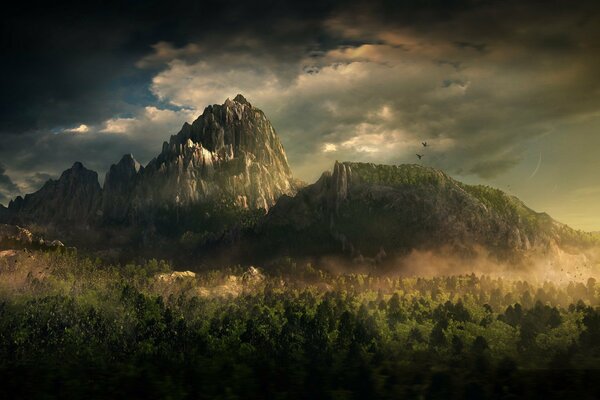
75, 327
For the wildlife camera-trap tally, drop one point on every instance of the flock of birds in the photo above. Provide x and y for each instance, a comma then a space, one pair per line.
421, 155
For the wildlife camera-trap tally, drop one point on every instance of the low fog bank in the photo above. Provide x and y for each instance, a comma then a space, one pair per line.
556, 265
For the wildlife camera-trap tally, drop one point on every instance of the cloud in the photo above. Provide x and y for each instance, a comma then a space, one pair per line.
88, 61
490, 168
7, 187
34, 182
83, 128
329, 147
165, 52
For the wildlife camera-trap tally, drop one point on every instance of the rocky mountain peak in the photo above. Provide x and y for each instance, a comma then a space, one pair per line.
79, 171
242, 100
231, 130
231, 150
74, 197
119, 186
127, 165
230, 154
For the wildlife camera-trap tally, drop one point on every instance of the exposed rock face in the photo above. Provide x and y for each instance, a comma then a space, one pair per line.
15, 233
11, 236
119, 187
370, 210
231, 154
231, 151
72, 199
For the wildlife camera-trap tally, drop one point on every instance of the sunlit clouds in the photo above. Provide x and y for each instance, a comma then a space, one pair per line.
80, 129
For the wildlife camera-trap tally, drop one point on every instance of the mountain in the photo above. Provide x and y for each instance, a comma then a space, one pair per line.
374, 211
230, 152
72, 199
119, 189
229, 157
208, 190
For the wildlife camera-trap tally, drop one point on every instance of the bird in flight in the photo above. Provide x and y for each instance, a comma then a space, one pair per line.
420, 156
424, 144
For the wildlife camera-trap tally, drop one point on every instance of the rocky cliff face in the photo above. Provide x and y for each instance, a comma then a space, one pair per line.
372, 210
119, 188
231, 154
72, 199
12, 236
231, 151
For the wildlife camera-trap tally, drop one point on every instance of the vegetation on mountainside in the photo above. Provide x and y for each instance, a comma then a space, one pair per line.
73, 327
518, 213
509, 208
397, 175
201, 223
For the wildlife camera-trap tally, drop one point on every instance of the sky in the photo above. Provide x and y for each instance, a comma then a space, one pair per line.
505, 93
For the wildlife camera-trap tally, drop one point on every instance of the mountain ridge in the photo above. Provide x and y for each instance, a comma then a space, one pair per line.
223, 182
370, 210
231, 151
72, 198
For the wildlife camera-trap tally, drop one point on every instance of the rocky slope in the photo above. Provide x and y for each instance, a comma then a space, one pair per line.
73, 199
231, 154
368, 210
12, 236
231, 151
119, 189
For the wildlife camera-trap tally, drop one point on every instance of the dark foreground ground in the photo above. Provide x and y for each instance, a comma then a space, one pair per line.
75, 328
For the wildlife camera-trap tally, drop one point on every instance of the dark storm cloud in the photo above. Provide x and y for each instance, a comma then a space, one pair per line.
7, 187
524, 65
75, 63
41, 155
36, 180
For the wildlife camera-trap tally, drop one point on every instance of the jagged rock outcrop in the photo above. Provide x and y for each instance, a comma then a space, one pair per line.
119, 189
372, 210
230, 154
231, 151
72, 199
15, 233
12, 236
